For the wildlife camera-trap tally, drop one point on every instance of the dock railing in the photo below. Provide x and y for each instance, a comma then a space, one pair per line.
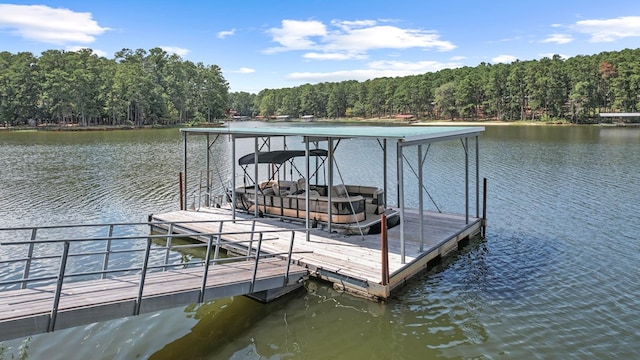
41, 254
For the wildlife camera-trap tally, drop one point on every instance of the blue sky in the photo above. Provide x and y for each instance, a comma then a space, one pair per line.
275, 44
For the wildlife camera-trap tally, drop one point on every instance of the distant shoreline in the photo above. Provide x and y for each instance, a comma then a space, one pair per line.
336, 121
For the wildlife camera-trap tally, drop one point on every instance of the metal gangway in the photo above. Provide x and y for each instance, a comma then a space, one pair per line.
56, 277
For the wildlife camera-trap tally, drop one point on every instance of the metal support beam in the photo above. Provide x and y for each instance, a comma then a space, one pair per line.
307, 201
477, 177
255, 177
284, 165
399, 160
184, 178
233, 177
208, 187
466, 180
330, 183
384, 172
420, 198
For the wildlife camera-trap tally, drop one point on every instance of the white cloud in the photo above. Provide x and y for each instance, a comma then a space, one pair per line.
504, 40
375, 69
350, 39
458, 58
608, 30
507, 59
558, 39
296, 35
50, 25
78, 48
175, 50
225, 33
386, 37
245, 70
334, 56
346, 25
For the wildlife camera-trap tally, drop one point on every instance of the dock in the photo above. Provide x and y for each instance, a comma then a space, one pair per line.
351, 263
367, 265
44, 298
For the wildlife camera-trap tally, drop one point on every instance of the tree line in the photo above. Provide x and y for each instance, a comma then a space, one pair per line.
576, 89
134, 88
154, 87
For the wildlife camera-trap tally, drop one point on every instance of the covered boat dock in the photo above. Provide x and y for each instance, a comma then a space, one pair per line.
369, 265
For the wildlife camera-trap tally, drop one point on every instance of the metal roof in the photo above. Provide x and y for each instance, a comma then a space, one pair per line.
405, 134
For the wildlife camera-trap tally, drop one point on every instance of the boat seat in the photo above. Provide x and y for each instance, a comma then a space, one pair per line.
302, 184
267, 184
339, 191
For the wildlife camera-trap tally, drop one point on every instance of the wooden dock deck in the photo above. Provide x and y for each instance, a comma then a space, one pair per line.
28, 311
353, 263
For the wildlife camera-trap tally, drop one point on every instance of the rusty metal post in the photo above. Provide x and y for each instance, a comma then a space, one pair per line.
384, 249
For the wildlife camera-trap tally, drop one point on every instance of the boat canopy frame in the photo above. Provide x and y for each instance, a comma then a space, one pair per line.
404, 136
279, 156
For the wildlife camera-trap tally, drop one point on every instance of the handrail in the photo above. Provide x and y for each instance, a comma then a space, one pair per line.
159, 236
56, 300
27, 266
213, 243
159, 248
130, 269
150, 223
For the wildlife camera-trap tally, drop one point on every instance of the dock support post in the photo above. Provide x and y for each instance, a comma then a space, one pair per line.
384, 246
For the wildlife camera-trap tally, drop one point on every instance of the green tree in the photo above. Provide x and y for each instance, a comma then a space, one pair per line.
445, 99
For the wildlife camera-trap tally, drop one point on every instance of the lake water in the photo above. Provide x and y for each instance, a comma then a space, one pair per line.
556, 277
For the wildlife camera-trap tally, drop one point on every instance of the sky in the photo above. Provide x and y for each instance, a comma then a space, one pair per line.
271, 44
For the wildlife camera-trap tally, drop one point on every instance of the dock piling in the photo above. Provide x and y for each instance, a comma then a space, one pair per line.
384, 249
